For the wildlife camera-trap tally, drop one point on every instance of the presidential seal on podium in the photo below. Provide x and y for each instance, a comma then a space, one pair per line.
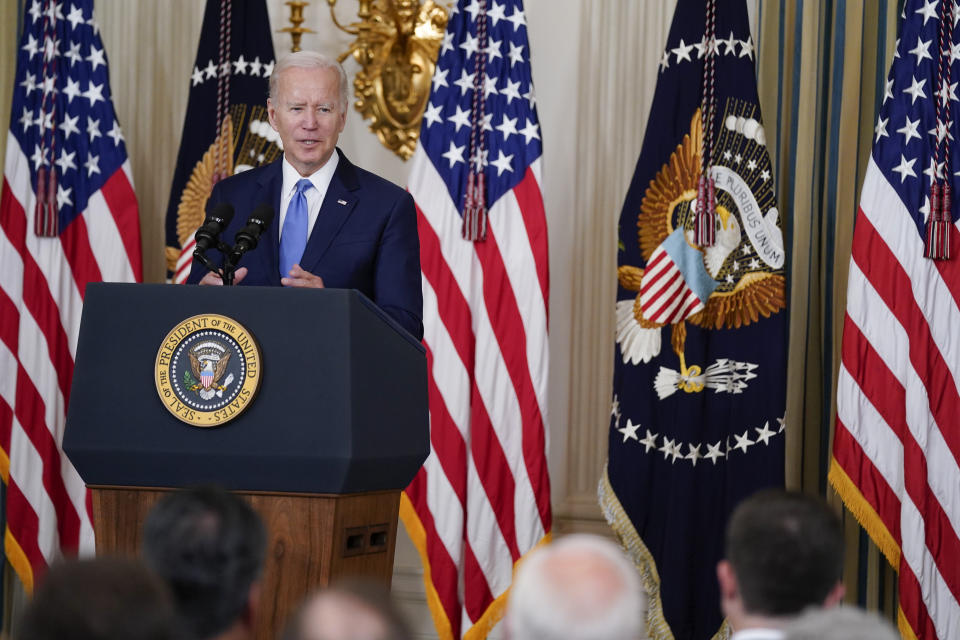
208, 370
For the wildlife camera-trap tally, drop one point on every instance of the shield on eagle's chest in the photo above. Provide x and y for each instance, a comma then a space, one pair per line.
206, 375
675, 284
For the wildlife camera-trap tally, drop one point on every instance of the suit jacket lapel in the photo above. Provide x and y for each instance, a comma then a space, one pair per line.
269, 248
338, 204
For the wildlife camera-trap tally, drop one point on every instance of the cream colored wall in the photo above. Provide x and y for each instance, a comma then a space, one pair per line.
594, 66
151, 45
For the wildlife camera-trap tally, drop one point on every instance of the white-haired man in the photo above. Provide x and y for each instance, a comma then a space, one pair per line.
336, 225
580, 587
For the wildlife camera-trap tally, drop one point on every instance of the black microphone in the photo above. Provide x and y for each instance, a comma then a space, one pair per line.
208, 234
248, 237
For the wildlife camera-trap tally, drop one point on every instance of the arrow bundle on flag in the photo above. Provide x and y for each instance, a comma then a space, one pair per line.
226, 129
68, 216
896, 446
699, 378
482, 499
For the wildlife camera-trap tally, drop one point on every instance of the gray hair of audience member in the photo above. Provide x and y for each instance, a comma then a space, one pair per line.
352, 609
208, 545
99, 599
581, 587
840, 623
310, 60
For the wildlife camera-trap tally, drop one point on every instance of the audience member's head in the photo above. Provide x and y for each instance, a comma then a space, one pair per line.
208, 545
349, 610
580, 587
784, 553
102, 599
840, 623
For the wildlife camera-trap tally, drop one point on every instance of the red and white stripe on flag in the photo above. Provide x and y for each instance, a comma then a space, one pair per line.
63, 126
184, 262
896, 447
665, 296
482, 499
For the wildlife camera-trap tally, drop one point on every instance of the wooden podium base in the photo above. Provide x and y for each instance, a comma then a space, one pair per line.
312, 539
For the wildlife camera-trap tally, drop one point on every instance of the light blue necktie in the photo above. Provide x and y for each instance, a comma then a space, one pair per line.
293, 238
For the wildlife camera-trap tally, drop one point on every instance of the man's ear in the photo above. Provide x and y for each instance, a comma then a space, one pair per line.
835, 596
727, 580
272, 113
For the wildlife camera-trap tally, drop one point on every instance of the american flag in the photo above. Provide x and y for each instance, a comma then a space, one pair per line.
66, 150
482, 499
896, 446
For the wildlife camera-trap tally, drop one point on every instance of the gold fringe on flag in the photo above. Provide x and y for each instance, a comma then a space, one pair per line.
494, 613
619, 521
410, 519
14, 552
871, 522
864, 512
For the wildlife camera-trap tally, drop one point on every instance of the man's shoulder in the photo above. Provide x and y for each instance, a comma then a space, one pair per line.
371, 182
249, 177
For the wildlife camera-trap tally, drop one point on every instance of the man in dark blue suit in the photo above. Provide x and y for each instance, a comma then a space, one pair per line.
337, 225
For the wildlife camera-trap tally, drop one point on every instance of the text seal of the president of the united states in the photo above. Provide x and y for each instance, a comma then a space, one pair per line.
208, 370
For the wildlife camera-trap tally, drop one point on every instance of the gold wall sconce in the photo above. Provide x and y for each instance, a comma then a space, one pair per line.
396, 47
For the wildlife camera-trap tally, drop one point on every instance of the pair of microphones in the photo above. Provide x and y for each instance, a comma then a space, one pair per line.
208, 235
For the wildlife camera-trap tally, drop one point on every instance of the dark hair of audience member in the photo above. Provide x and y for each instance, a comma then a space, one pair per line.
786, 549
209, 546
373, 596
99, 599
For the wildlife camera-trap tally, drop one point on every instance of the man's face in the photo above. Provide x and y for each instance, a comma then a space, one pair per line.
336, 616
306, 113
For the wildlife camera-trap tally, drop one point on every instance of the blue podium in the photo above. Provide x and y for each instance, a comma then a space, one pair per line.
332, 427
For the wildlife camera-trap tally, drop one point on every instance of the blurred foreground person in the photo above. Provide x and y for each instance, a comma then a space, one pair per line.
580, 587
784, 553
208, 545
350, 610
840, 623
101, 599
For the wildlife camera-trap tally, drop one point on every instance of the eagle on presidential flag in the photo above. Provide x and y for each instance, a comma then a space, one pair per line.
697, 425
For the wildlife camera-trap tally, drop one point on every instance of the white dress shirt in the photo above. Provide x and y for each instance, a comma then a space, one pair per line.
321, 181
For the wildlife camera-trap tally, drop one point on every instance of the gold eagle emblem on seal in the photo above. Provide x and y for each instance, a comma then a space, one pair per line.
742, 273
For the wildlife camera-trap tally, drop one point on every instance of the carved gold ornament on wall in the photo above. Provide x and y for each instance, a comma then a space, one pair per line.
296, 30
396, 46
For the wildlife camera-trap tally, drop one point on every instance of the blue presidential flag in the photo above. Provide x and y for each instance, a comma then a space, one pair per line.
697, 419
226, 129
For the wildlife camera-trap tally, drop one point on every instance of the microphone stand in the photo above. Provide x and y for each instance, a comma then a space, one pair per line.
229, 262
246, 240
202, 257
